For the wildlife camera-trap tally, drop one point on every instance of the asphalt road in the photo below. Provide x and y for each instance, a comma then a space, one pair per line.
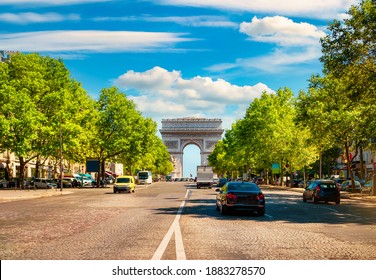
172, 221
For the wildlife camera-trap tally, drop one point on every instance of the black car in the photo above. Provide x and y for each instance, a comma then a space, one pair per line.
322, 190
240, 196
296, 183
66, 183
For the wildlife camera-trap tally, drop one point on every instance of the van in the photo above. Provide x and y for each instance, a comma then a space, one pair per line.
124, 183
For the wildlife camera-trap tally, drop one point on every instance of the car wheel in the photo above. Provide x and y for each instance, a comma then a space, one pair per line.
314, 199
115, 190
261, 212
304, 199
216, 206
223, 209
337, 201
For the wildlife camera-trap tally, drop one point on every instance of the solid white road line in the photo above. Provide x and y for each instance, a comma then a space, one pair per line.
174, 228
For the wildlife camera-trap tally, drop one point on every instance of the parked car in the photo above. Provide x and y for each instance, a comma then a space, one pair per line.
258, 180
41, 183
339, 181
86, 179
240, 196
110, 179
169, 178
322, 190
12, 183
124, 183
367, 187
3, 183
307, 183
296, 183
66, 183
75, 183
346, 186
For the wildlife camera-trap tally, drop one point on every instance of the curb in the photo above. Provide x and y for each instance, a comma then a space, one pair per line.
355, 196
28, 194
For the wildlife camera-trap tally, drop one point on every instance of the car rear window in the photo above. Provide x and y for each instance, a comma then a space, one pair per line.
242, 186
327, 186
123, 180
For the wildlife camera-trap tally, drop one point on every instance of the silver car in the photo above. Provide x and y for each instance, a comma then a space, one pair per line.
41, 183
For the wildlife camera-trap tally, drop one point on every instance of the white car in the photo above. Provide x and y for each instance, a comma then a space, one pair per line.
41, 183
86, 182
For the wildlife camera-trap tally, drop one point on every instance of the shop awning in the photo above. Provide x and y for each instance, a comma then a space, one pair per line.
110, 173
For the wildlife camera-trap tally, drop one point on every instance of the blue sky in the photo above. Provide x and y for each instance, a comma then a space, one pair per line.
177, 58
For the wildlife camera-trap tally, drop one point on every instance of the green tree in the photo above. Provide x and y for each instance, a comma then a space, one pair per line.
342, 102
37, 96
116, 128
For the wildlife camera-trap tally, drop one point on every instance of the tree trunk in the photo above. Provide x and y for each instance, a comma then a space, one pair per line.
103, 171
349, 170
20, 182
320, 167
36, 175
362, 175
99, 173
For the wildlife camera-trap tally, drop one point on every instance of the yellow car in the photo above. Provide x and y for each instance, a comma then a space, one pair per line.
124, 183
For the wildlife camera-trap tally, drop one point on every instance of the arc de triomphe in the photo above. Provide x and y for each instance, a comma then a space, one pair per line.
180, 132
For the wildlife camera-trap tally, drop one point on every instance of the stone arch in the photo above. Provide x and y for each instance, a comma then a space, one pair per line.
181, 132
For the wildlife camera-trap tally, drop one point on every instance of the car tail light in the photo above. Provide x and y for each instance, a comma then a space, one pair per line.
260, 196
317, 188
231, 196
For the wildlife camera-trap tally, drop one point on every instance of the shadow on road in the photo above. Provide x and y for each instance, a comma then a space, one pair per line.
283, 207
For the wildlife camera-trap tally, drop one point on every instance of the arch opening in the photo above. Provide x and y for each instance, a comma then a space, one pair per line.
191, 159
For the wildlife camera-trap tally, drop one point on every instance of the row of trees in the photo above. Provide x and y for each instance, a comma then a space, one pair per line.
337, 113
45, 114
269, 133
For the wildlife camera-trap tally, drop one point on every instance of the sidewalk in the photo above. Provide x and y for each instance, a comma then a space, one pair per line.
344, 195
7, 195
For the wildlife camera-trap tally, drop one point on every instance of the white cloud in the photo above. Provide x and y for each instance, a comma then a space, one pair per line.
313, 9
194, 21
89, 41
168, 94
281, 31
297, 43
49, 2
281, 60
26, 18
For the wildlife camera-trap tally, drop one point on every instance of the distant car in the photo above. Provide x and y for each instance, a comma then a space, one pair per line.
258, 180
66, 183
296, 183
74, 182
110, 179
222, 182
124, 183
339, 181
322, 190
367, 187
168, 178
243, 196
41, 183
346, 186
